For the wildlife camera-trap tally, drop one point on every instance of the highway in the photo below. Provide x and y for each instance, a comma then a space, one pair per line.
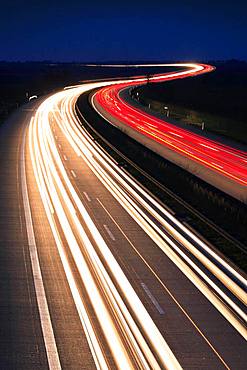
218, 164
119, 282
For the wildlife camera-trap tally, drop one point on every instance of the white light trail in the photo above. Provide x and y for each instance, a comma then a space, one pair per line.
129, 345
57, 190
227, 281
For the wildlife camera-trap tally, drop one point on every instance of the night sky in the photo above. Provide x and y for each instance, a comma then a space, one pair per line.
123, 31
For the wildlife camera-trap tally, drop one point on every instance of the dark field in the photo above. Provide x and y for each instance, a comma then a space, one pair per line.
19, 81
218, 99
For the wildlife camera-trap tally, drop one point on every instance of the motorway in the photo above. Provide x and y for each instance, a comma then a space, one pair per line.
97, 273
216, 163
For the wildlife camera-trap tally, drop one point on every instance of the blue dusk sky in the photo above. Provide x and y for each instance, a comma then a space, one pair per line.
123, 31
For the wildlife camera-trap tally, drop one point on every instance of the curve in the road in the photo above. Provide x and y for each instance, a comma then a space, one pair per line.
131, 334
218, 164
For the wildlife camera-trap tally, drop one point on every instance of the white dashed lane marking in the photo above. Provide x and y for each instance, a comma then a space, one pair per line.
87, 196
153, 299
109, 232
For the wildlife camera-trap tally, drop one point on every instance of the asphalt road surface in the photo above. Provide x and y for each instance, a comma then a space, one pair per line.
95, 273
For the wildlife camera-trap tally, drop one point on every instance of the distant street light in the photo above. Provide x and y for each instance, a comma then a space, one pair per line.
167, 111
33, 97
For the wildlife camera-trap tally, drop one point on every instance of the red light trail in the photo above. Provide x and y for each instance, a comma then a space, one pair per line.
220, 158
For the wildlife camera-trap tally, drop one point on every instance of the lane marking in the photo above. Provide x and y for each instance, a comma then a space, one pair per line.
217, 165
45, 319
109, 232
87, 196
153, 299
173, 133
209, 147
73, 173
165, 288
65, 158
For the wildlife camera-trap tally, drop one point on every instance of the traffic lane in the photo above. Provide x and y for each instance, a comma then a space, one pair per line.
217, 270
72, 345
200, 138
215, 178
120, 102
89, 194
159, 303
76, 259
224, 142
178, 139
22, 344
95, 314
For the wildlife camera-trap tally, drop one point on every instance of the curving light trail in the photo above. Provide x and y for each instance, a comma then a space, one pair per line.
129, 348
130, 333
222, 159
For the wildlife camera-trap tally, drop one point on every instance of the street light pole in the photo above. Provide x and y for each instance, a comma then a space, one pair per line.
167, 111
